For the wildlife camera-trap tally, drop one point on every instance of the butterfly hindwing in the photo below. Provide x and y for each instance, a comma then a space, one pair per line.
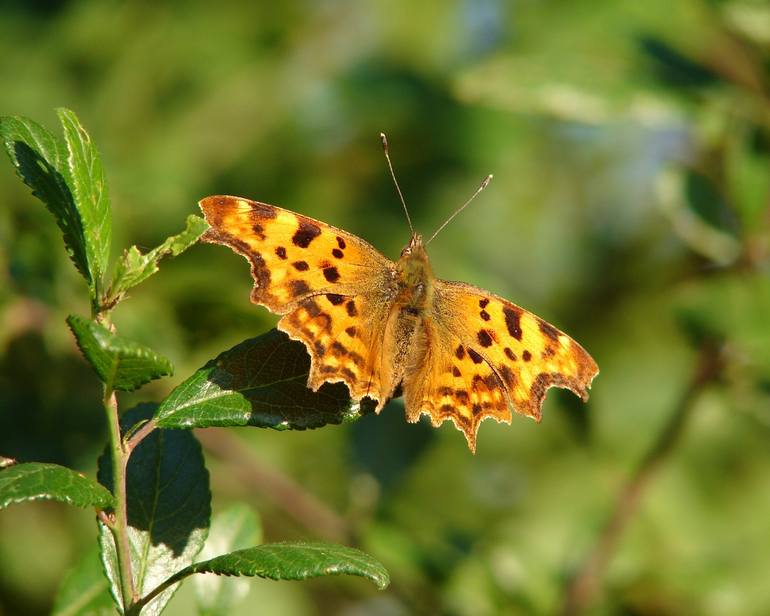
343, 334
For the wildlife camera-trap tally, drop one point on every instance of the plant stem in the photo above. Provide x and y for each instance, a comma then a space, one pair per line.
586, 582
136, 608
120, 528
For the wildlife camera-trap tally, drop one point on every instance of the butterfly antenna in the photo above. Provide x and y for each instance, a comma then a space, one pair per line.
384, 141
484, 184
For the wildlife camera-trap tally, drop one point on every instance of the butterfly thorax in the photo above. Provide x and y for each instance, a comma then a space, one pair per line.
415, 277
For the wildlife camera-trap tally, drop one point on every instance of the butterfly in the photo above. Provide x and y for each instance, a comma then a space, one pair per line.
457, 352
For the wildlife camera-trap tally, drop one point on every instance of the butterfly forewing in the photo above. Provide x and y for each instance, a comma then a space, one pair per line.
292, 256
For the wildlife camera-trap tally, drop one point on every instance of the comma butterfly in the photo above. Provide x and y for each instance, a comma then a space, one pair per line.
458, 352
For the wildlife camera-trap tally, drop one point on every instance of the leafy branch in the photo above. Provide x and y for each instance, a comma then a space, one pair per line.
152, 499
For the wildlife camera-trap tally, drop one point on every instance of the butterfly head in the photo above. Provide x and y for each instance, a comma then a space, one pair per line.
414, 247
414, 274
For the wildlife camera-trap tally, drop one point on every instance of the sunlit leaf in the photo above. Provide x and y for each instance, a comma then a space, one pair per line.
260, 382
86, 180
67, 176
122, 364
40, 158
37, 480
295, 561
135, 267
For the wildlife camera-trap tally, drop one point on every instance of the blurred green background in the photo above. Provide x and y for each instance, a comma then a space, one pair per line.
630, 143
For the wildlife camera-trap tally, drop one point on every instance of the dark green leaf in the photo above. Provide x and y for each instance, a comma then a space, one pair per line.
37, 480
706, 202
235, 528
169, 504
85, 177
260, 382
84, 591
135, 267
733, 309
120, 363
40, 158
747, 178
694, 215
294, 561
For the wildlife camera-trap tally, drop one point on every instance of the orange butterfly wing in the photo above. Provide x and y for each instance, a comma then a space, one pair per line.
482, 356
330, 285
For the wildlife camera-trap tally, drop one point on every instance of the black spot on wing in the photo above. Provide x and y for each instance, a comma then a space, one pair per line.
331, 274
475, 357
513, 321
508, 377
258, 230
261, 210
299, 287
485, 339
549, 330
306, 233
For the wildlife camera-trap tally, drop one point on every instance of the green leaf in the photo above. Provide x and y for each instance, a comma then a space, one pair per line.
169, 505
38, 480
135, 267
67, 176
235, 528
676, 197
260, 382
746, 165
294, 561
84, 591
40, 159
85, 177
732, 308
120, 363
706, 202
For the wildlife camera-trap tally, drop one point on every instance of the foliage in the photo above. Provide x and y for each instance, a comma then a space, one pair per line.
155, 512
630, 146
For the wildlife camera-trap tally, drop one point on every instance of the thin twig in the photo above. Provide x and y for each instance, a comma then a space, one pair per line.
586, 583
138, 436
